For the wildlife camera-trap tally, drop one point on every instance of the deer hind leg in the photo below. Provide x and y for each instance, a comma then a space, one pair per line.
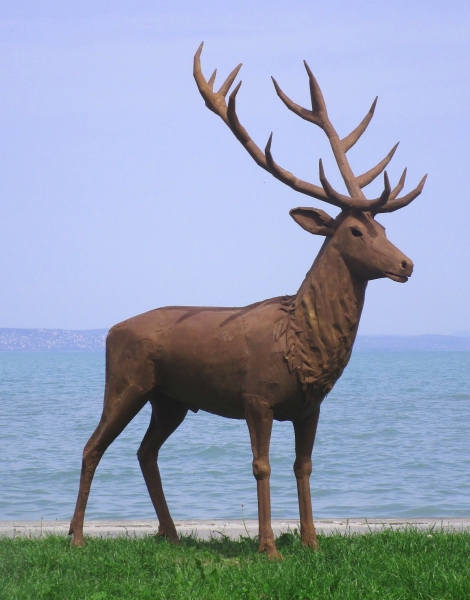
117, 413
259, 418
305, 431
167, 415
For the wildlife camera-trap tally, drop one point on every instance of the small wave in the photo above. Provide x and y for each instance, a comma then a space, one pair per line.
382, 449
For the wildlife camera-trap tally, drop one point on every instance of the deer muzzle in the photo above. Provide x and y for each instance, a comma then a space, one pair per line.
403, 271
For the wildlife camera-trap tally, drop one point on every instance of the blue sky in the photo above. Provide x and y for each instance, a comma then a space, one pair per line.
121, 192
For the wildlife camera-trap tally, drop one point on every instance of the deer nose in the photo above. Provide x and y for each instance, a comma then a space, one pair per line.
407, 267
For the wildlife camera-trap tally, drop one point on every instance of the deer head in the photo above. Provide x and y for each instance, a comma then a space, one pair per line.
355, 234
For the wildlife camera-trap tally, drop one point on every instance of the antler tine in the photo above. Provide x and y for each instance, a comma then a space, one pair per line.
384, 197
318, 114
405, 200
304, 113
201, 82
292, 181
227, 84
370, 175
374, 205
400, 185
335, 197
349, 141
214, 101
318, 102
359, 204
237, 128
212, 79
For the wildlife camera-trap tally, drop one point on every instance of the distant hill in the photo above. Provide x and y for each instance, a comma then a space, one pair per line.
52, 339
412, 343
49, 340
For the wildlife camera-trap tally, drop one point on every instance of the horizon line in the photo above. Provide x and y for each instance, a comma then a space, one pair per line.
462, 333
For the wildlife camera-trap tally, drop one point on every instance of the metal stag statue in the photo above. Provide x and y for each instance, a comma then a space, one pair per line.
275, 359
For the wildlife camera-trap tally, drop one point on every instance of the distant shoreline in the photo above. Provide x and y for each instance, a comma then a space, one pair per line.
232, 528
52, 340
86, 340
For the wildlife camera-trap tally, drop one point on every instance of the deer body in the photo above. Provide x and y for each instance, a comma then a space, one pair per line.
204, 357
276, 359
280, 349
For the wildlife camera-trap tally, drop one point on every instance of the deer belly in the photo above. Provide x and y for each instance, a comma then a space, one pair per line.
202, 362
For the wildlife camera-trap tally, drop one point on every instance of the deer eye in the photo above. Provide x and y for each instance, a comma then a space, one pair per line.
356, 232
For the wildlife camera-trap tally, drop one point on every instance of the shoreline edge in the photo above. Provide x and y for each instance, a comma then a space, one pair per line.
232, 528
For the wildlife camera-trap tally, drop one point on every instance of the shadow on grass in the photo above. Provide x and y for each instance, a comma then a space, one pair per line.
230, 548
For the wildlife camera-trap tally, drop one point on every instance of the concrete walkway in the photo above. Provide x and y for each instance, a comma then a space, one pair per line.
233, 529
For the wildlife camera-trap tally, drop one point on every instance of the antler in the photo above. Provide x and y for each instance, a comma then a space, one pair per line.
215, 101
386, 202
395, 203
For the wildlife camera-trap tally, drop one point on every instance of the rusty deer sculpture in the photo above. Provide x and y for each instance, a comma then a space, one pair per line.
276, 359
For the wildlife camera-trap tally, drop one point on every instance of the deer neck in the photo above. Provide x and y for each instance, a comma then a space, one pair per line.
324, 318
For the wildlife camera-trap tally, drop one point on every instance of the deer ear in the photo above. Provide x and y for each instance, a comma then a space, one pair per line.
314, 220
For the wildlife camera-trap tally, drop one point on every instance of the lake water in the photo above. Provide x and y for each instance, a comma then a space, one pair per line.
393, 441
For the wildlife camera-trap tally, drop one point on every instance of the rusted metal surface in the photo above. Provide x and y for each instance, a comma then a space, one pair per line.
276, 359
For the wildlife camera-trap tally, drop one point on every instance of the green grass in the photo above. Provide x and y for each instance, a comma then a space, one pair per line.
401, 564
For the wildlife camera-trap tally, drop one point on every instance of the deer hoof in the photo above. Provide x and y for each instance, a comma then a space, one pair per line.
269, 547
77, 542
170, 537
311, 542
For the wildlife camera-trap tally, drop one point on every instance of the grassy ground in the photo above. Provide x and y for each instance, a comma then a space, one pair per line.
398, 565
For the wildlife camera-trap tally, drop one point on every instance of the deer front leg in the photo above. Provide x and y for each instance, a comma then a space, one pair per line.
305, 431
259, 418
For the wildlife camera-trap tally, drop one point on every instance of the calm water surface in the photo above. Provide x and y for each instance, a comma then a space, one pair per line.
393, 441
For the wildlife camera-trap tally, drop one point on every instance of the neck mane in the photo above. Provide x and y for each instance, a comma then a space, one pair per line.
321, 321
